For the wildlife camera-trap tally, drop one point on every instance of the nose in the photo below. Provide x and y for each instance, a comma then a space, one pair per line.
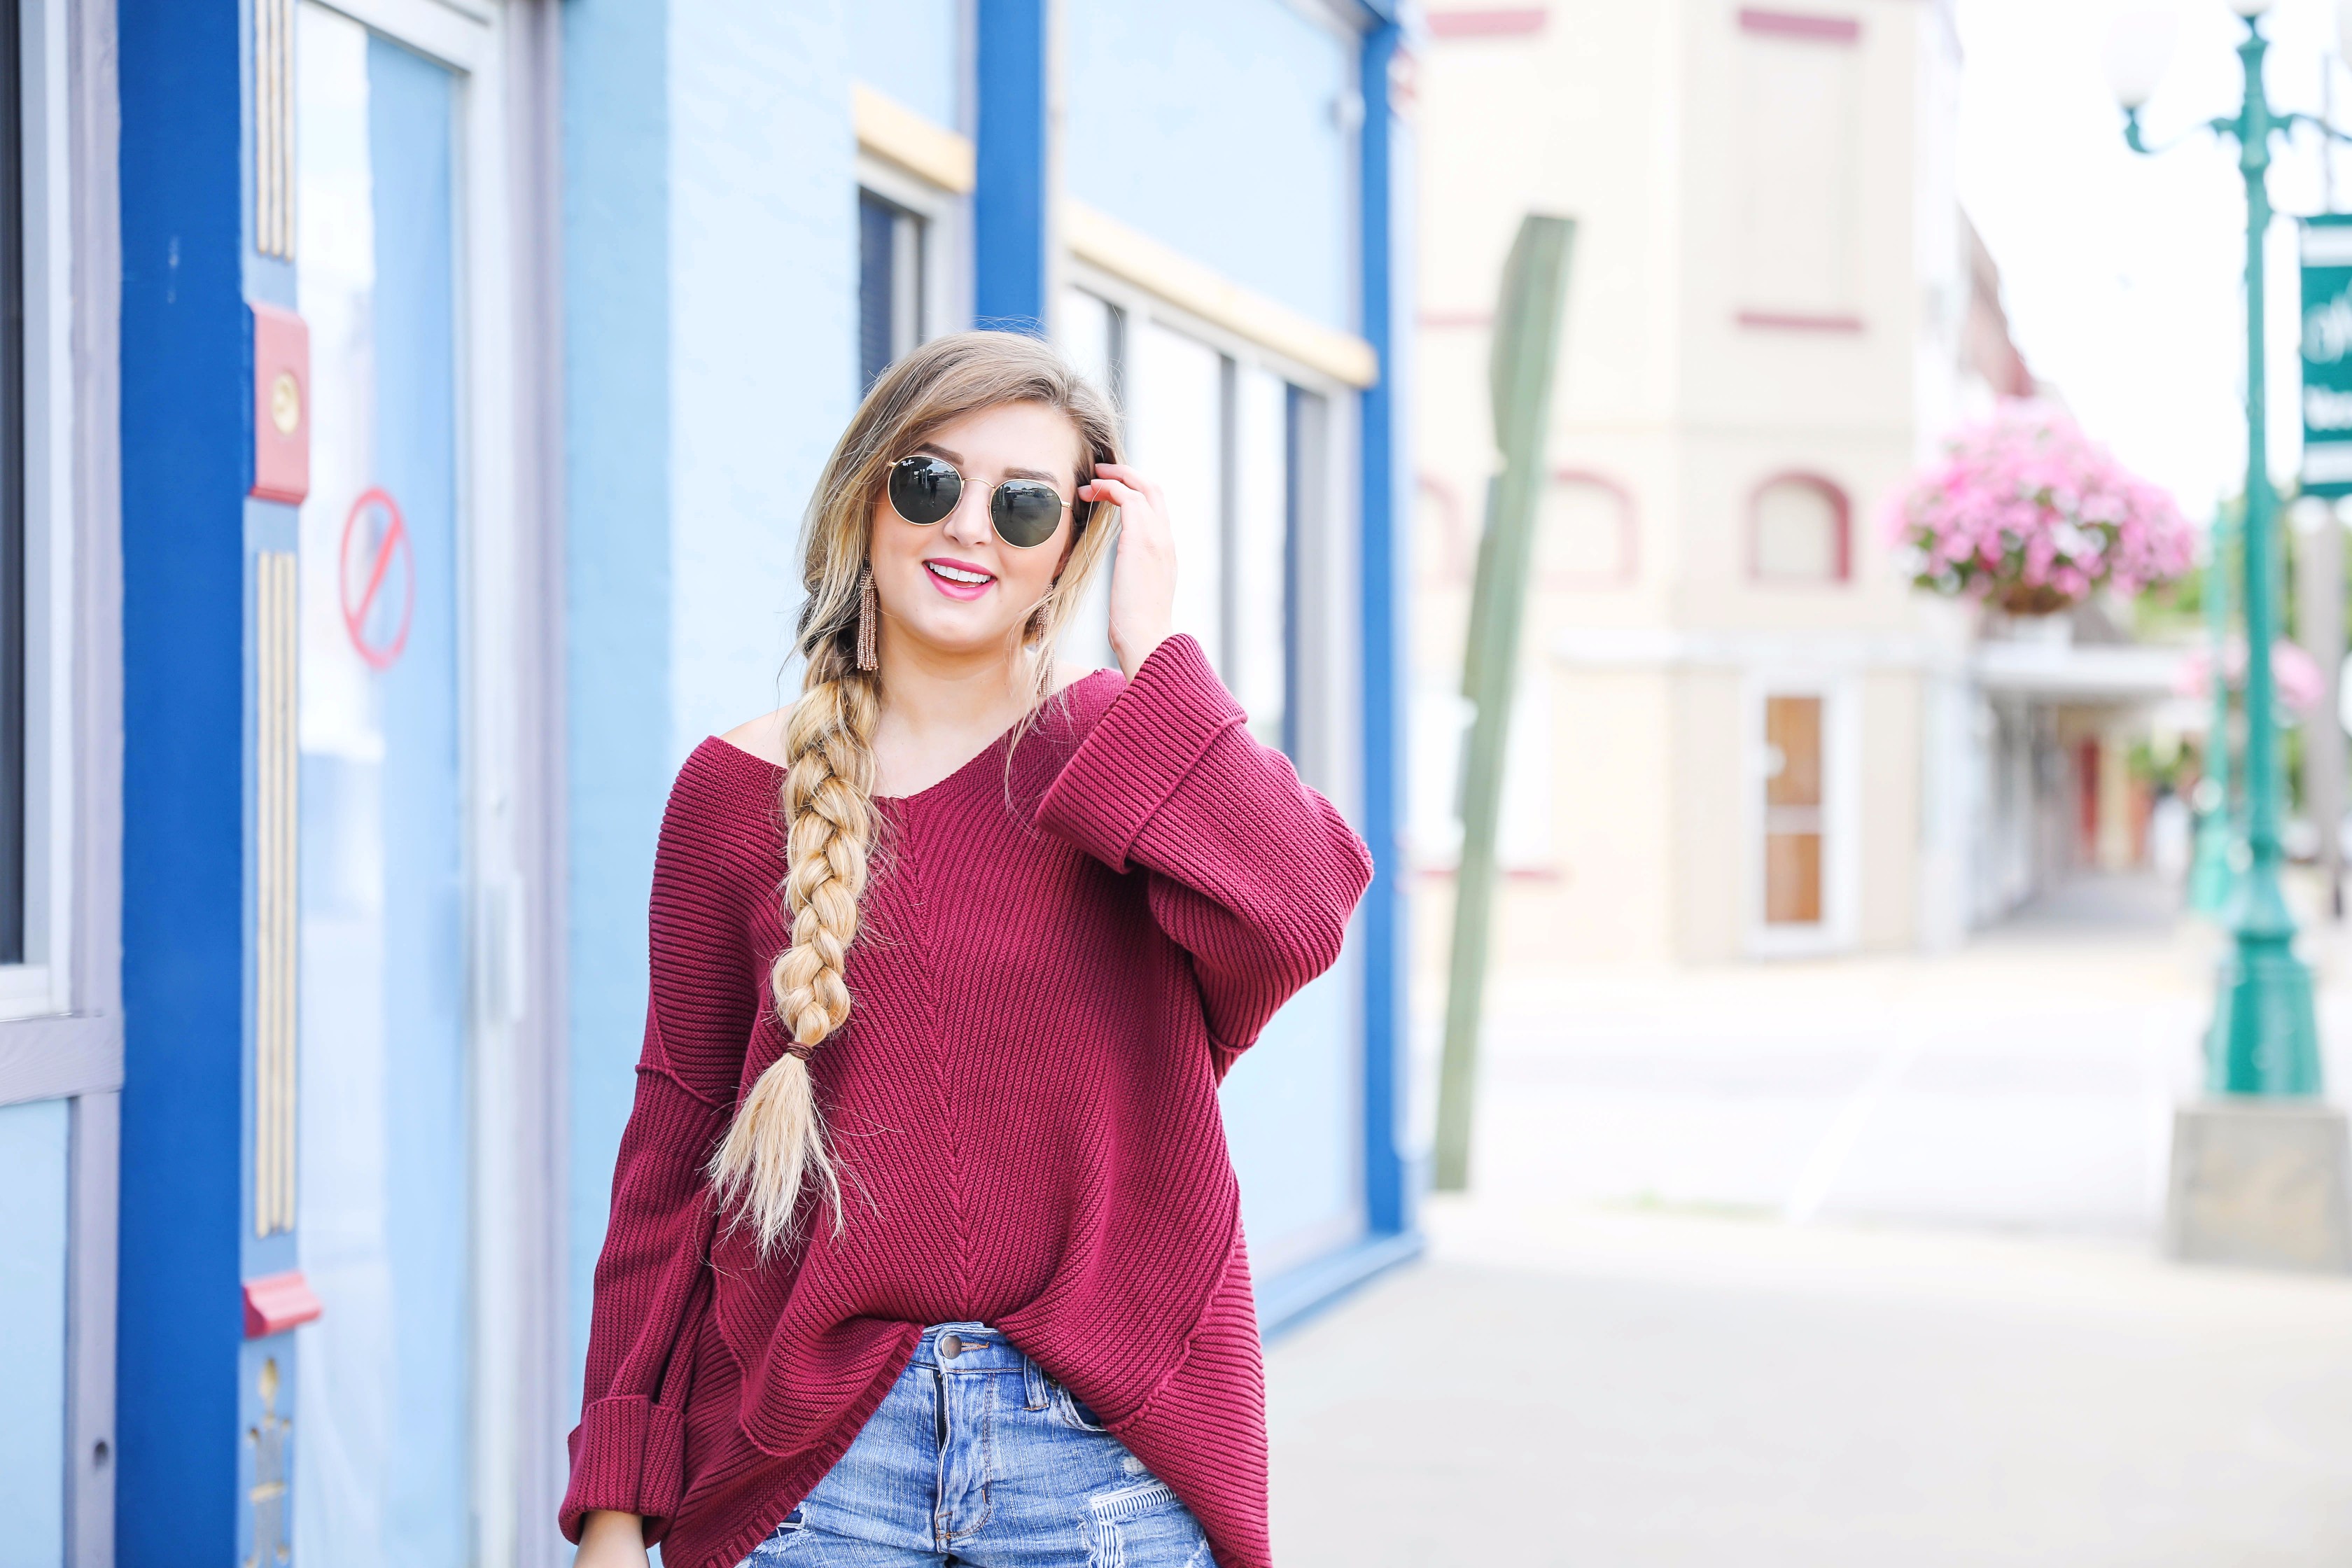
968, 524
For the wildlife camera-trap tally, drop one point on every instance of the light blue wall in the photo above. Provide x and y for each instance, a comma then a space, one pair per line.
1296, 1144
763, 360
32, 1334
616, 393
711, 253
909, 49
1227, 147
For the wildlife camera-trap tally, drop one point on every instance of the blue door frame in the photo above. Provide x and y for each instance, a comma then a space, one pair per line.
189, 534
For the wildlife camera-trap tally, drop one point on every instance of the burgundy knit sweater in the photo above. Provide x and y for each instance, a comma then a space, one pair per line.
1060, 956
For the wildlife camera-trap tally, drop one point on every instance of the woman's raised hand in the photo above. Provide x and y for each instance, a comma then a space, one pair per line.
1143, 578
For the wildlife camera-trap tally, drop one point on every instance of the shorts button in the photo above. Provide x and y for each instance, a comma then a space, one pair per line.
951, 1345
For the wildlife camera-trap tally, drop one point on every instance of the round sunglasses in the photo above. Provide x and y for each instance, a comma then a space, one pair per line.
1025, 512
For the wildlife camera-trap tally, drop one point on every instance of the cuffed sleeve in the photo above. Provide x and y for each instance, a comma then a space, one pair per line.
628, 1455
1254, 874
1139, 751
652, 1282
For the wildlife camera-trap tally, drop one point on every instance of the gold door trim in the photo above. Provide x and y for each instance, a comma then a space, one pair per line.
276, 936
273, 128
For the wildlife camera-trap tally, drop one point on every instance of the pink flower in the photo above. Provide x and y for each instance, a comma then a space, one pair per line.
2025, 500
2294, 674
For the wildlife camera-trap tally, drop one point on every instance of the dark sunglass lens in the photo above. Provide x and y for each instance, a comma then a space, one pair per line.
1025, 512
923, 491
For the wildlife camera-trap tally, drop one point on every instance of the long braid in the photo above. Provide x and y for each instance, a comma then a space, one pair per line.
777, 1141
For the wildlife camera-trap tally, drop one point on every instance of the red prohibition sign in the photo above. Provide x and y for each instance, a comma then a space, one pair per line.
377, 552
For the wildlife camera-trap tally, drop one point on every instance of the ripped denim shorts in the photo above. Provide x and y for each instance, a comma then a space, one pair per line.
977, 1456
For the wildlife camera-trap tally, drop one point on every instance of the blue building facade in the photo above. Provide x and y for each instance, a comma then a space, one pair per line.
416, 402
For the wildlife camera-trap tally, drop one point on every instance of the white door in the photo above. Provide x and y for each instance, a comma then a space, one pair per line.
399, 1461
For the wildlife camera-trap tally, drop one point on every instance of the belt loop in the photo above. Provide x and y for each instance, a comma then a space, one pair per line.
1036, 1385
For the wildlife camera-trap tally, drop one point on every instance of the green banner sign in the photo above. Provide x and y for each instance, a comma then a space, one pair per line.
2327, 248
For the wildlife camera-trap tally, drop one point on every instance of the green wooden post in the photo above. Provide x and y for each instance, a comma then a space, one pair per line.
1519, 373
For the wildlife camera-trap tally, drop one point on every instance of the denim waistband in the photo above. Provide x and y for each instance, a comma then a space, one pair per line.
977, 1347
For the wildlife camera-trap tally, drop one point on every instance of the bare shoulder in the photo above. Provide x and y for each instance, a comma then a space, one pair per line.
1068, 673
762, 737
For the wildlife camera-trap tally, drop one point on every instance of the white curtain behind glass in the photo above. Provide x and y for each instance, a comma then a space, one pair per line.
1088, 327
1176, 387
1259, 640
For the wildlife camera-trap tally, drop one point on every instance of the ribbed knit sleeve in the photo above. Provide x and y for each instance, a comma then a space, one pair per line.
652, 1287
1254, 874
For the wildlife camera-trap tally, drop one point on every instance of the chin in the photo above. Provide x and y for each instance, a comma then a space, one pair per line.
954, 634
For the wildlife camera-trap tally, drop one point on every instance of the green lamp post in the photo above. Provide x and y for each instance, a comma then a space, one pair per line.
2210, 874
2264, 1038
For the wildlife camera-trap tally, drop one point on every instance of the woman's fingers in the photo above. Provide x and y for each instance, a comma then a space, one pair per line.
1117, 493
1143, 576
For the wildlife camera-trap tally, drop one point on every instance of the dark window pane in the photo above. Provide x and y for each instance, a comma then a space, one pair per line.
877, 222
12, 494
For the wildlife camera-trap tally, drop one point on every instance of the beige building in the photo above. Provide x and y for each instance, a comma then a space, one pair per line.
1739, 732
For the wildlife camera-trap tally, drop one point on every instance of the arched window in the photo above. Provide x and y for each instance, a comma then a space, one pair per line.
1584, 532
1445, 541
1797, 531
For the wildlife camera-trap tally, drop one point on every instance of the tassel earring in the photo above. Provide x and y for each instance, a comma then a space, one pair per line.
1041, 616
869, 619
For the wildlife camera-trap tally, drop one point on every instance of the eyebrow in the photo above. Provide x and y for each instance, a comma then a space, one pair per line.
936, 450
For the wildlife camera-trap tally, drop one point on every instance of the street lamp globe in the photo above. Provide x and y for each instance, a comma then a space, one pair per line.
2139, 46
2250, 9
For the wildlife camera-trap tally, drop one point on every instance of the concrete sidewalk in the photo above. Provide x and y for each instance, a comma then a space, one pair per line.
1831, 1264
1580, 1386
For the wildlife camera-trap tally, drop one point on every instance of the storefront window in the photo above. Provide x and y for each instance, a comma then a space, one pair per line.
890, 261
16, 645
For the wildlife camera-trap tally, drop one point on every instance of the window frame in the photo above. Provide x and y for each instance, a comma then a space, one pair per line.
61, 1017
1628, 570
1841, 507
943, 305
54, 886
1320, 696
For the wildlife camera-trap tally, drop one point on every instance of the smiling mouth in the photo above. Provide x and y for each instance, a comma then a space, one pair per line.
962, 576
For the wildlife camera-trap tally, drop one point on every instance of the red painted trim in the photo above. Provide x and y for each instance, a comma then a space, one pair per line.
1555, 875
281, 459
1459, 550
1799, 321
1629, 535
277, 1302
1840, 502
1799, 25
1512, 22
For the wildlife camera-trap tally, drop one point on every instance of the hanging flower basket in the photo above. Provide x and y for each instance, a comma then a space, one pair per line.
2028, 512
2031, 599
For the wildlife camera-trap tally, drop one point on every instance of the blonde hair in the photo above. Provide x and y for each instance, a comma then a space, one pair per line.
777, 1142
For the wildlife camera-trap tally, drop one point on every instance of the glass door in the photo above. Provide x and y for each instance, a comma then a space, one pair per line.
1792, 810
383, 1415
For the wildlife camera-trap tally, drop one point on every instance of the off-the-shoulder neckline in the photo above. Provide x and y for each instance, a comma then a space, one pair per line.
993, 747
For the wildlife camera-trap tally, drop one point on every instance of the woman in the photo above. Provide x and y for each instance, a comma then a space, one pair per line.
925, 1246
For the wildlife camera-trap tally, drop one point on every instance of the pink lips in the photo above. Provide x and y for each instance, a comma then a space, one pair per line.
950, 586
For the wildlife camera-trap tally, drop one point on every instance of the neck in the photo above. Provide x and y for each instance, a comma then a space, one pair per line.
934, 686
940, 706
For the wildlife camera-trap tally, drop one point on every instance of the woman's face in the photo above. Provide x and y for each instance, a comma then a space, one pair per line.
953, 587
